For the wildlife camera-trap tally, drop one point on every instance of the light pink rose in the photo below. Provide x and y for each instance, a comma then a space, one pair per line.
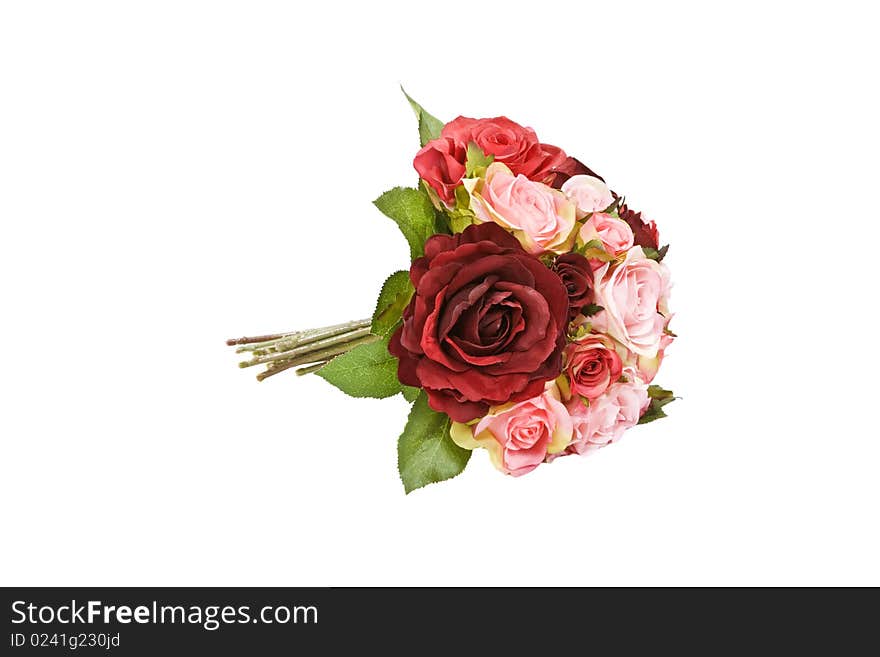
588, 193
592, 364
519, 437
606, 418
634, 296
540, 217
646, 367
615, 234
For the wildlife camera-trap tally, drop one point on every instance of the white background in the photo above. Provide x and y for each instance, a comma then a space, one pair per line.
176, 173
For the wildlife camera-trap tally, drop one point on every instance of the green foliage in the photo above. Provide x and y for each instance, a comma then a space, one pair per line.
659, 398
477, 161
425, 451
595, 250
429, 126
598, 254
414, 214
368, 370
654, 254
461, 216
580, 331
662, 253
395, 295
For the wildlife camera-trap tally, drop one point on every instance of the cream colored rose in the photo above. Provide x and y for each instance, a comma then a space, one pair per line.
588, 193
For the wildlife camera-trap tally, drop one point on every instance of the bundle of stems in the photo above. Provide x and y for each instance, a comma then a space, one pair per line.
312, 348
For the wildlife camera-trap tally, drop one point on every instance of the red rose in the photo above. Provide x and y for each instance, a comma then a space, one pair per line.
644, 232
577, 276
440, 163
508, 142
592, 365
486, 324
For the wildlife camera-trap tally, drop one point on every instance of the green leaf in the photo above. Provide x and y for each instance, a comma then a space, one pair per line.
594, 249
654, 412
429, 126
412, 211
368, 370
425, 451
598, 254
460, 216
662, 253
458, 221
395, 295
654, 254
659, 398
591, 309
477, 161
409, 393
579, 332
660, 394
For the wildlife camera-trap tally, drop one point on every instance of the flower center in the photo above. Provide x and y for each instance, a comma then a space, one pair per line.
526, 434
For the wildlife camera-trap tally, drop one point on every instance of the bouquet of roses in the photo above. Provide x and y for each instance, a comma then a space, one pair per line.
531, 322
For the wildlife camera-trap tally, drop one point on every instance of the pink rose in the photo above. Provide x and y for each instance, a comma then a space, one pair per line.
645, 367
519, 437
509, 143
634, 296
440, 163
592, 365
606, 418
541, 218
615, 234
588, 193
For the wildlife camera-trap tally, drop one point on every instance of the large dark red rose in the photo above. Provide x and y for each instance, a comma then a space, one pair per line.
486, 324
577, 276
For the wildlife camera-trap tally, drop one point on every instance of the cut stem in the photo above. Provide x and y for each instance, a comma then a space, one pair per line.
302, 371
258, 338
313, 347
295, 338
305, 350
272, 371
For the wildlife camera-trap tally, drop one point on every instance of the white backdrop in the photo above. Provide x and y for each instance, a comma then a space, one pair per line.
176, 173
